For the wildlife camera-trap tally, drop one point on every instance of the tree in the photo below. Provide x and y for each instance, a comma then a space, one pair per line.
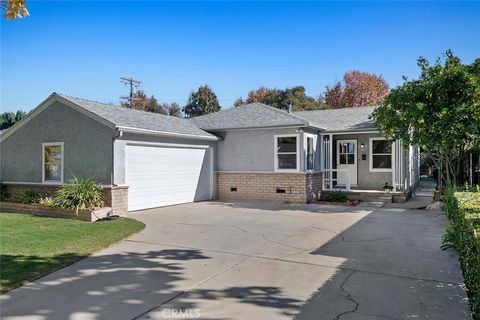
334, 96
283, 99
201, 102
14, 9
153, 106
139, 101
172, 109
8, 119
440, 111
357, 90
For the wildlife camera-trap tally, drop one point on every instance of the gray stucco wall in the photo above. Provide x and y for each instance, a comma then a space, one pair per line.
251, 150
365, 178
205, 181
87, 146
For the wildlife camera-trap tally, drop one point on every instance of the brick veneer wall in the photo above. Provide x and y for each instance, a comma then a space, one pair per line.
313, 184
262, 186
115, 197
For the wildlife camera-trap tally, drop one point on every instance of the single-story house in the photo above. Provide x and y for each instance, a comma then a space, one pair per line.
251, 153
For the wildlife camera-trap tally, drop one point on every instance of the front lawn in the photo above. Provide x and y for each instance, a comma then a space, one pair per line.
31, 247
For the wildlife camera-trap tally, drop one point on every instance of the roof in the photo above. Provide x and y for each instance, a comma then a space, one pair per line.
345, 119
253, 115
137, 119
259, 115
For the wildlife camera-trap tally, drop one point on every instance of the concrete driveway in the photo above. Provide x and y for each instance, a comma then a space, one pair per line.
260, 261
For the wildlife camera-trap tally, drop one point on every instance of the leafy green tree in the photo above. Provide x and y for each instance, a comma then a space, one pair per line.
8, 119
201, 102
439, 111
283, 99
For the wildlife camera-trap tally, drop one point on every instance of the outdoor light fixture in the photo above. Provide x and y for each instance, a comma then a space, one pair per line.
362, 146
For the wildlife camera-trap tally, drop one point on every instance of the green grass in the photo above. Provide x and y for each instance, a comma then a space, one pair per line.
31, 247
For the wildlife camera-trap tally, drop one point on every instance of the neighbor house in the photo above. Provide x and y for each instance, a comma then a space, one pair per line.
249, 153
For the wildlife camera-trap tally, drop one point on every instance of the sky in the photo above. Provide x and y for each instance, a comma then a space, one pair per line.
82, 48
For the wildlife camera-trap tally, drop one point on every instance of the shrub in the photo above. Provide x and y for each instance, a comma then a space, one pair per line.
335, 196
463, 209
27, 197
79, 194
4, 195
48, 202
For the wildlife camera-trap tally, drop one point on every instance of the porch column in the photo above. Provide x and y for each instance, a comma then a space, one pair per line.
394, 158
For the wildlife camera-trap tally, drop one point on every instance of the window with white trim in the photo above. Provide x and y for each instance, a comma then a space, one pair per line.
310, 156
52, 162
286, 153
380, 155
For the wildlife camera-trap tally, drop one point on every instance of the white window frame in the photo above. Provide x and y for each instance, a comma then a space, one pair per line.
314, 137
370, 156
275, 148
49, 144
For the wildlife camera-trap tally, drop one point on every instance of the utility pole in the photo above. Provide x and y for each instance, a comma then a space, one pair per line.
134, 84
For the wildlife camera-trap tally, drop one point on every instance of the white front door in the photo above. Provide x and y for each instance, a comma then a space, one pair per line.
347, 159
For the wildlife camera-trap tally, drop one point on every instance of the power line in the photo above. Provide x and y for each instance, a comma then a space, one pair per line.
134, 84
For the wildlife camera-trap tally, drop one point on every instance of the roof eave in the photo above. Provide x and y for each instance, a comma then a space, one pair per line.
353, 131
166, 133
299, 125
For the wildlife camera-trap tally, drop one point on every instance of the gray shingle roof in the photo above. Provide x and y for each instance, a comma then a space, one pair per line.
346, 119
123, 117
252, 115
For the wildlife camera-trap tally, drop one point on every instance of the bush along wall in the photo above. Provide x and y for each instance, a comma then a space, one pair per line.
463, 209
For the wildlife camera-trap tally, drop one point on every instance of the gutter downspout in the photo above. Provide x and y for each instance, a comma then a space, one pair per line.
118, 134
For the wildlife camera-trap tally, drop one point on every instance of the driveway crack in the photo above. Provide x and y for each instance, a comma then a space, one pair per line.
349, 297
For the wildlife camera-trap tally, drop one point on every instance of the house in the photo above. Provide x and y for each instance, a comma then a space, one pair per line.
251, 153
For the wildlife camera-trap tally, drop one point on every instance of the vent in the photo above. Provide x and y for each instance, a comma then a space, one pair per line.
233, 189
281, 190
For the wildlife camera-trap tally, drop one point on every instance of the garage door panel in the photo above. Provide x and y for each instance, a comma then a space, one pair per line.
160, 176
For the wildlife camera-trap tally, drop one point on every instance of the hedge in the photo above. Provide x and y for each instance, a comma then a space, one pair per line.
463, 210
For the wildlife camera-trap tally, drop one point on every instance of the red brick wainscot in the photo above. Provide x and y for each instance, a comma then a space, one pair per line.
115, 197
267, 186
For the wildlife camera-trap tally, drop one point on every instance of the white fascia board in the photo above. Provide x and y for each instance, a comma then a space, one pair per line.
165, 134
351, 132
258, 128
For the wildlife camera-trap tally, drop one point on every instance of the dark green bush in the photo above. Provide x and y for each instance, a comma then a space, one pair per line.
335, 196
27, 197
463, 209
4, 195
79, 194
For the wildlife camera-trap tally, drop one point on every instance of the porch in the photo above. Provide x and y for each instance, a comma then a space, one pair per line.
367, 167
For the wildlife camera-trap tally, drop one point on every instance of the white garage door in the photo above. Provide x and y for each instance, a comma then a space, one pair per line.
161, 176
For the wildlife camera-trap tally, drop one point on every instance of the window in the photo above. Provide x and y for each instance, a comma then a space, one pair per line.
346, 152
310, 157
52, 162
286, 153
380, 155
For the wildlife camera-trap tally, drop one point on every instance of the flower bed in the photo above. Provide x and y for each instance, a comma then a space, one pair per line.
55, 212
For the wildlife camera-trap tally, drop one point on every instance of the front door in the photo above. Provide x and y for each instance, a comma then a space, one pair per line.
347, 159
